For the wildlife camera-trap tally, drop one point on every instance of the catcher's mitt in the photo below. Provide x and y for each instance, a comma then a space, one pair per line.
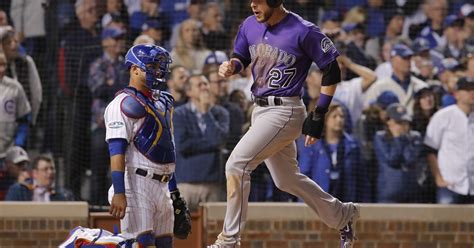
182, 217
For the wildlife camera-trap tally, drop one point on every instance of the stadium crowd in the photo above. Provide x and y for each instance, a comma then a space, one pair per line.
400, 130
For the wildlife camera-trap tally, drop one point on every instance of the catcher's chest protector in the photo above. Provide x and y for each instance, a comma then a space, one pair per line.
154, 138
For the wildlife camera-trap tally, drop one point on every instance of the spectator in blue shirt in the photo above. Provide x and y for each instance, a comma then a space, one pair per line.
156, 29
372, 120
41, 187
375, 18
436, 11
398, 151
150, 9
335, 161
176, 9
219, 93
201, 128
454, 35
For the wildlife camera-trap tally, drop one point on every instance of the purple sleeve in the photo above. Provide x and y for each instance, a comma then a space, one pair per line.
319, 47
241, 45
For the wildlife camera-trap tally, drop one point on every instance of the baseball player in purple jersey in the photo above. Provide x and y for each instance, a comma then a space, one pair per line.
280, 46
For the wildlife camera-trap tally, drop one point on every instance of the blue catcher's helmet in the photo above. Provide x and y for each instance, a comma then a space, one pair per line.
153, 60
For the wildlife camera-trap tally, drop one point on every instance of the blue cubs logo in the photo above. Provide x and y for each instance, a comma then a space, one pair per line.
9, 107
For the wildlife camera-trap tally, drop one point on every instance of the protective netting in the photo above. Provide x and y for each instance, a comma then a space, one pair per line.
370, 152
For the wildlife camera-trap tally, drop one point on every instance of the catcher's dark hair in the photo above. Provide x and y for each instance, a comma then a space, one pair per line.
41, 157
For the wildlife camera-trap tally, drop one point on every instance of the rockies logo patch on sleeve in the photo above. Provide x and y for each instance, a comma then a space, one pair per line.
326, 44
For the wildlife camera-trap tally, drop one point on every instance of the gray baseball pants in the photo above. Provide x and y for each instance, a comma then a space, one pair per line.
271, 138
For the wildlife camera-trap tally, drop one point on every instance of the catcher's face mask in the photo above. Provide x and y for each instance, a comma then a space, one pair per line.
157, 72
153, 60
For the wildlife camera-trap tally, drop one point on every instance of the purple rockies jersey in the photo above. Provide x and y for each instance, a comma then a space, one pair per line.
282, 54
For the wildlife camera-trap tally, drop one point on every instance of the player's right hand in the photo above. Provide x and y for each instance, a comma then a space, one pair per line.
118, 206
226, 69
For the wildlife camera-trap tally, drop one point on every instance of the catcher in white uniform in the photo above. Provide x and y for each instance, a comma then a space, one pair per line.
141, 146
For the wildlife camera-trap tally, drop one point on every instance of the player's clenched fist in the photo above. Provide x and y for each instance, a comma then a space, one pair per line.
118, 205
227, 68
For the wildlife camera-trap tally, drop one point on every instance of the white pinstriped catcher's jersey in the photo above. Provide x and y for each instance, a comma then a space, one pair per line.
119, 125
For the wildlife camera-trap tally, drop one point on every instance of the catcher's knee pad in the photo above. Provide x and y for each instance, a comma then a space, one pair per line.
145, 239
164, 242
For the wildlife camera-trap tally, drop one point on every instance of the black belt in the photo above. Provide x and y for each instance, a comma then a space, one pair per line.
263, 101
161, 178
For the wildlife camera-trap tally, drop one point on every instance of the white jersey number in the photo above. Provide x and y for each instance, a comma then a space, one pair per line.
276, 76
